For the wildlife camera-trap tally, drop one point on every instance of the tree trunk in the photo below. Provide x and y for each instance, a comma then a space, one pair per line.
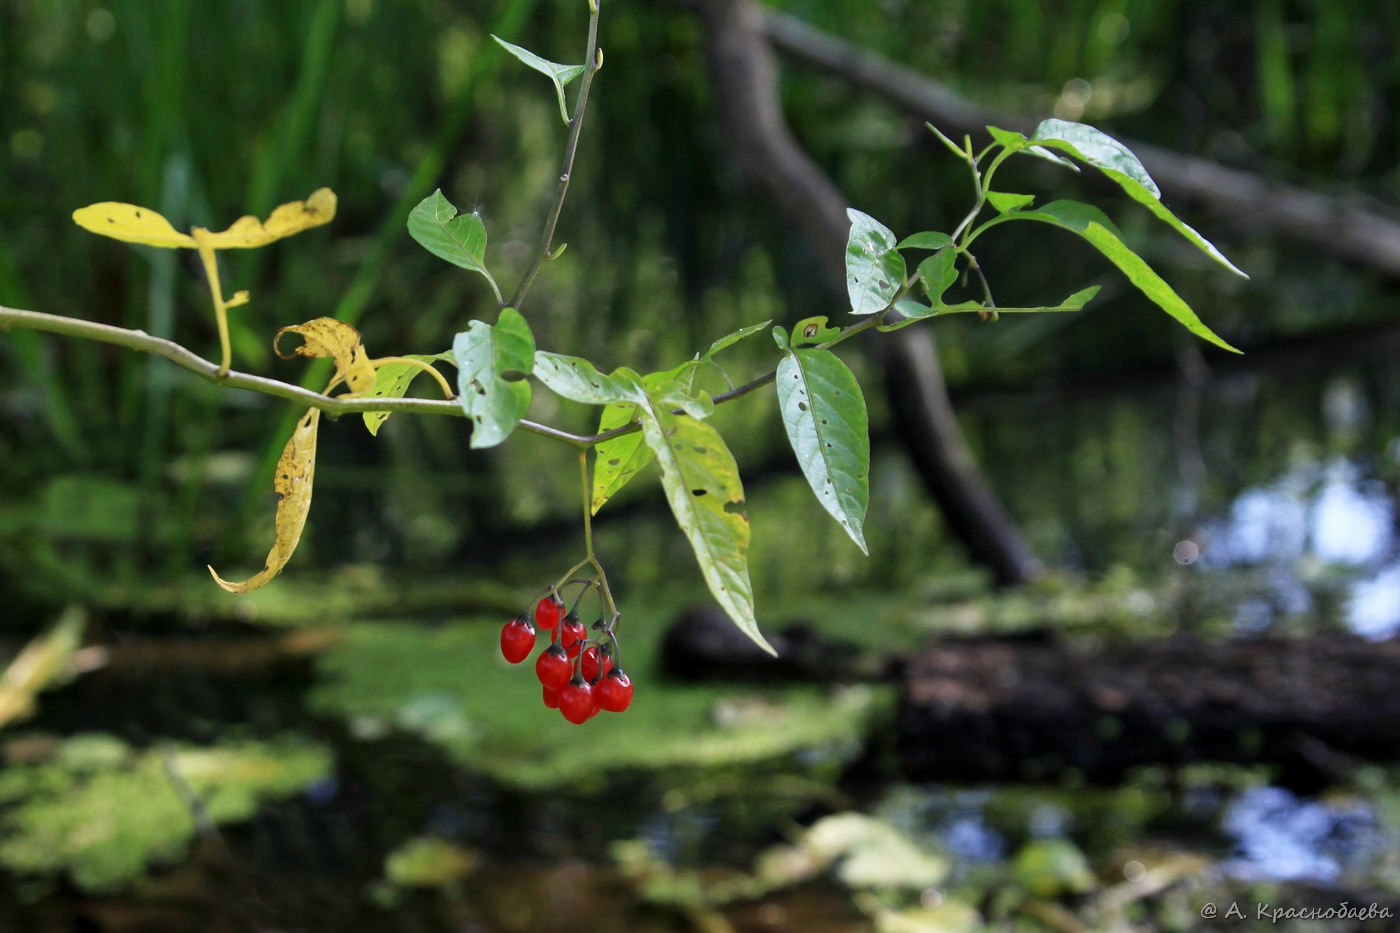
744, 75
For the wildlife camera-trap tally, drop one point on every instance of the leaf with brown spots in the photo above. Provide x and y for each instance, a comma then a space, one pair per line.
326, 336
295, 470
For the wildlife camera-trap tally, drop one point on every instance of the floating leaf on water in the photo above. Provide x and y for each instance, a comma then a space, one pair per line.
295, 470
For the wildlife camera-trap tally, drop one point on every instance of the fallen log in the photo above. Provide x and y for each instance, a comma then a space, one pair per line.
1011, 710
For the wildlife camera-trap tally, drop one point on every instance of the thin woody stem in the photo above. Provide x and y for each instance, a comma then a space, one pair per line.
546, 248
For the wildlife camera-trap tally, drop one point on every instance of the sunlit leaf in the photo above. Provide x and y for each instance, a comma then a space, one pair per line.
131, 224
1117, 161
295, 471
1005, 201
825, 418
1017, 142
392, 381
327, 337
702, 485
285, 220
492, 362
874, 268
619, 459
1089, 223
559, 75
937, 274
728, 340
929, 239
577, 379
811, 331
458, 238
913, 311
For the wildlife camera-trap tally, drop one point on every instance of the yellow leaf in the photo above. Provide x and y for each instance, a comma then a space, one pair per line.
326, 336
293, 217
295, 469
130, 223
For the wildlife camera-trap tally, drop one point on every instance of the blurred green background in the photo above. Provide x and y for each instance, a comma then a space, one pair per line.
351, 725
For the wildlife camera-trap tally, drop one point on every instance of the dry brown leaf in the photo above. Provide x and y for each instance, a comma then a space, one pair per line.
326, 336
295, 469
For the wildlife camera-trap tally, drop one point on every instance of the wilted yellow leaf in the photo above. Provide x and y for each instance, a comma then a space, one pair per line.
295, 470
130, 223
326, 336
293, 217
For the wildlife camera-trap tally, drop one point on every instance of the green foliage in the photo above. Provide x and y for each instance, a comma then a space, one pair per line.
492, 362
874, 267
702, 486
104, 812
392, 381
558, 75
824, 415
458, 238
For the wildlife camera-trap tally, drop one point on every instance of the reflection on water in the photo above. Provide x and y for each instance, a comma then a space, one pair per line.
1314, 523
1280, 837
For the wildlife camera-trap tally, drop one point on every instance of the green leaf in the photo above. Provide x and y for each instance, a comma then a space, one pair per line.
913, 311
558, 74
458, 238
1004, 201
702, 485
824, 414
937, 274
392, 380
617, 460
728, 340
1117, 161
929, 239
1009, 139
1089, 223
874, 268
952, 146
491, 365
813, 330
1017, 142
577, 379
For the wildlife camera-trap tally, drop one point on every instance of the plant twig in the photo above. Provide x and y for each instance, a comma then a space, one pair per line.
546, 247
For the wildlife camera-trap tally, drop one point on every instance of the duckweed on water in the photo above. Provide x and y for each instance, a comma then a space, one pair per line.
105, 812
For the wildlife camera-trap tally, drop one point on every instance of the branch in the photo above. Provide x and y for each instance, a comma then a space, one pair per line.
546, 249
1347, 228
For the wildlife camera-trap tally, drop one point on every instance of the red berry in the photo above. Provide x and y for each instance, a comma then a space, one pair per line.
517, 640
548, 611
572, 635
551, 698
554, 668
576, 701
615, 691
591, 664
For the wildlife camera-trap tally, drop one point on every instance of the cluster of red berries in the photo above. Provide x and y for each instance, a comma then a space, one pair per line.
579, 679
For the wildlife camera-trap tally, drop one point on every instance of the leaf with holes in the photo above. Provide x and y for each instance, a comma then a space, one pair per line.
458, 238
826, 422
559, 75
702, 485
296, 469
618, 460
392, 381
492, 363
1118, 162
1090, 223
874, 267
577, 379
